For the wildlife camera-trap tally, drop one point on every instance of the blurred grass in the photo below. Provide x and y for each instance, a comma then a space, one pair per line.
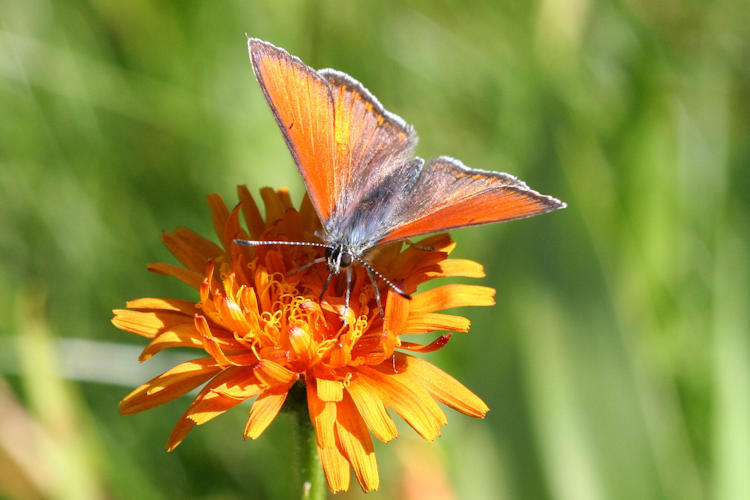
617, 360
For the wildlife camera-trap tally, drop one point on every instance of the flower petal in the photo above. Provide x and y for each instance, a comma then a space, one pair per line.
220, 215
442, 386
188, 277
285, 198
461, 267
210, 343
148, 323
335, 467
448, 296
329, 390
308, 217
212, 401
184, 306
396, 312
183, 335
354, 441
274, 205
250, 211
372, 409
169, 385
433, 346
431, 322
183, 427
190, 249
265, 409
322, 415
409, 400
272, 374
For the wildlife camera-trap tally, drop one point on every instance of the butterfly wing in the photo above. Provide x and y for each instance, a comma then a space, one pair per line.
448, 195
302, 104
371, 143
353, 154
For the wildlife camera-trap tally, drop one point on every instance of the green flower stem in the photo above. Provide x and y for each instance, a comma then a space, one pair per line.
312, 479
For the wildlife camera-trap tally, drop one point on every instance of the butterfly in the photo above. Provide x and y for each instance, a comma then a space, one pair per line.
356, 160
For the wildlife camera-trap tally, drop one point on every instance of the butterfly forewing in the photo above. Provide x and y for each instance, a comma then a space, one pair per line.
302, 104
371, 143
448, 195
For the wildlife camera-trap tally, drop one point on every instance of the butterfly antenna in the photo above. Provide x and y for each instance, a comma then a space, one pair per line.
373, 273
257, 243
387, 281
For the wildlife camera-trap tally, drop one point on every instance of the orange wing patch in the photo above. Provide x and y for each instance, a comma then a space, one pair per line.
302, 104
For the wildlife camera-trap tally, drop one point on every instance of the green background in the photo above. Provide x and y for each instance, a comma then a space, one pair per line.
617, 360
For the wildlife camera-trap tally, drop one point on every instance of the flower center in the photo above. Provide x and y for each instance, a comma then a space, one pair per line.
283, 318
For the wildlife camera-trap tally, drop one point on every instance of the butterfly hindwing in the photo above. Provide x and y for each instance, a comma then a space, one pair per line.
448, 195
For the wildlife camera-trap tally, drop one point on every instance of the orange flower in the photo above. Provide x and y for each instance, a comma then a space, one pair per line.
265, 329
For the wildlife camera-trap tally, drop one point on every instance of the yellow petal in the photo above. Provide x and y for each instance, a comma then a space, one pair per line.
220, 215
354, 440
442, 386
397, 310
335, 467
264, 410
431, 322
284, 197
148, 323
272, 374
274, 206
251, 213
184, 306
309, 220
207, 405
329, 390
178, 336
301, 342
207, 248
213, 401
238, 383
411, 402
188, 277
169, 385
188, 254
447, 296
372, 409
322, 415
184, 425
210, 343
461, 267
436, 344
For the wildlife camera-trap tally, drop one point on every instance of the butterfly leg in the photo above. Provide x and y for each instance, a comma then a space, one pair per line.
348, 286
308, 265
325, 285
420, 247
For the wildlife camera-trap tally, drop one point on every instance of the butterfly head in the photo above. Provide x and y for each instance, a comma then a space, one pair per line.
338, 257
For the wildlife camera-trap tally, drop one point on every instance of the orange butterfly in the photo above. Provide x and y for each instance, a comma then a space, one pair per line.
356, 160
